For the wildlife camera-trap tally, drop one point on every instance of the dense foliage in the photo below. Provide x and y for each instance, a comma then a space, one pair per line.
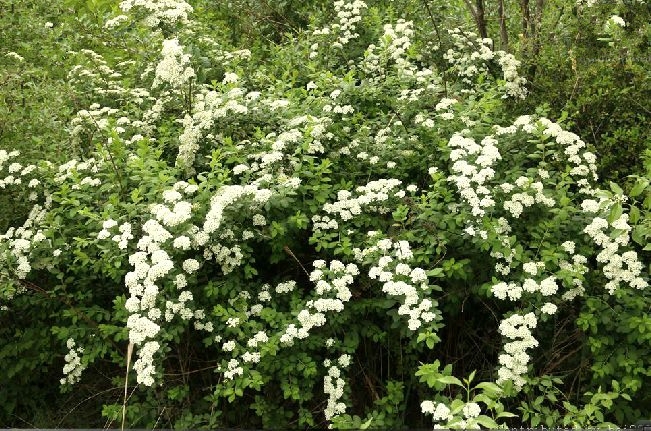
348, 215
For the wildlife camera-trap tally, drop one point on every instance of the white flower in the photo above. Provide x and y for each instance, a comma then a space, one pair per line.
441, 412
259, 220
182, 242
427, 407
108, 224
471, 410
530, 268
190, 265
548, 286
230, 78
548, 308
617, 20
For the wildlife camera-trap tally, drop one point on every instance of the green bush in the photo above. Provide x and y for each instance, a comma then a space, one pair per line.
341, 228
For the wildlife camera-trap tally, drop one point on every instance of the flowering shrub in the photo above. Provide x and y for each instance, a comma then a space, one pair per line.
261, 237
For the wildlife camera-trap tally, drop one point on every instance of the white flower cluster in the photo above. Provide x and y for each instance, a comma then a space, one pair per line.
513, 291
17, 174
15, 56
347, 206
115, 21
209, 106
618, 268
584, 161
332, 281
390, 267
450, 418
616, 20
73, 368
18, 242
234, 369
159, 11
151, 264
391, 51
392, 46
439, 411
518, 201
348, 15
469, 64
174, 67
515, 359
101, 79
333, 386
144, 365
473, 168
122, 239
71, 170
226, 196
576, 269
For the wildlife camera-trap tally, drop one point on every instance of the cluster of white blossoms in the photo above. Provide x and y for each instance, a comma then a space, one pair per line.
576, 269
144, 365
472, 57
618, 268
445, 417
18, 242
208, 107
72, 169
251, 352
530, 193
439, 411
159, 11
274, 163
392, 49
99, 70
73, 367
174, 67
615, 20
515, 359
122, 238
347, 206
226, 196
348, 15
89, 121
611, 237
333, 386
513, 291
472, 169
574, 148
18, 174
390, 267
15, 56
151, 264
332, 292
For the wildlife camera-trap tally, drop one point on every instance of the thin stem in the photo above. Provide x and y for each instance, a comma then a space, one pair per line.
438, 36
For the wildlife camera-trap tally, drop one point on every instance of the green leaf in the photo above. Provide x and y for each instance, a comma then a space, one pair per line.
486, 422
449, 380
435, 272
366, 424
616, 189
639, 187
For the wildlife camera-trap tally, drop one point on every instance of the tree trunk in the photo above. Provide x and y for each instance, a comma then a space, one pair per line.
524, 7
480, 18
535, 38
504, 35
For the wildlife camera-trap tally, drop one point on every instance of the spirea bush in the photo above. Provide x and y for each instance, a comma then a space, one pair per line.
305, 237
